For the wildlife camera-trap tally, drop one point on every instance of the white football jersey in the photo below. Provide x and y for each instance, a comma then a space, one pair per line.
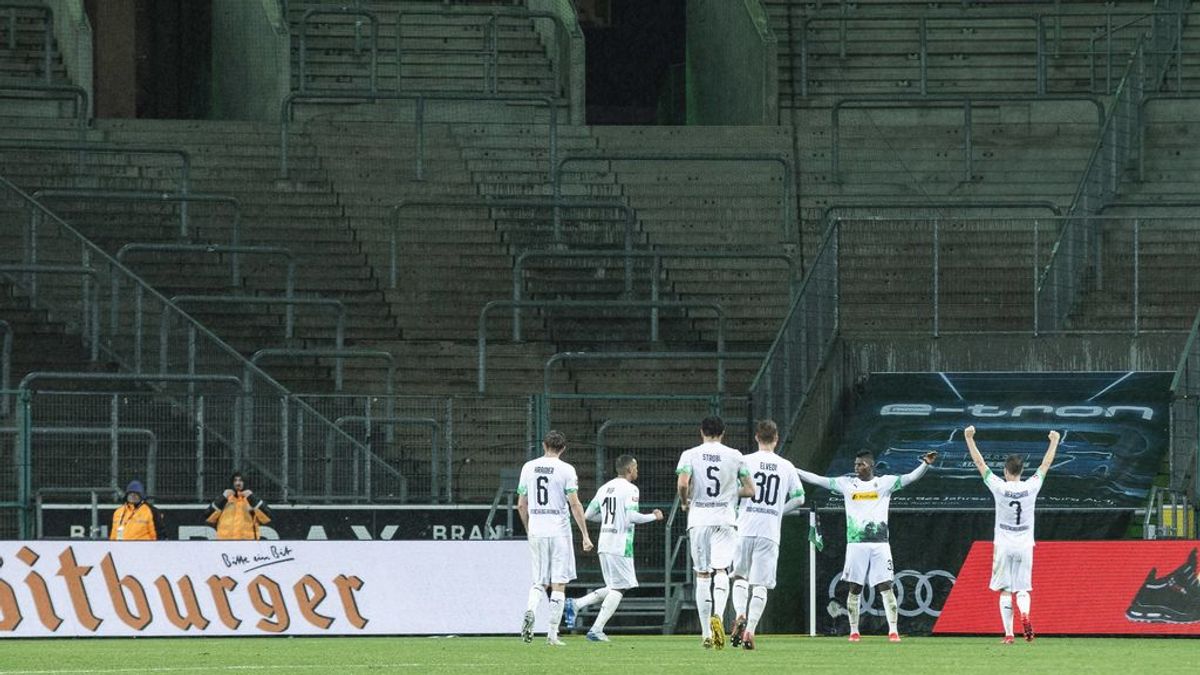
1014, 508
775, 482
616, 502
715, 469
545, 482
867, 504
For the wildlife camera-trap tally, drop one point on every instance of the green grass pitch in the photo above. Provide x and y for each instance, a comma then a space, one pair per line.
628, 655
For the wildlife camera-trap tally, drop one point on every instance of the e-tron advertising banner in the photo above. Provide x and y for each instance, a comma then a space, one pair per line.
1114, 430
928, 550
240, 588
1087, 588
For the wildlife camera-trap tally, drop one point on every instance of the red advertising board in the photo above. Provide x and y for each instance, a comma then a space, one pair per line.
1087, 587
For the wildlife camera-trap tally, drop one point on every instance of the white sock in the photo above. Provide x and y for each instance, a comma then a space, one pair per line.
891, 609
1006, 613
741, 597
592, 598
536, 593
720, 593
606, 611
556, 609
852, 610
1023, 603
758, 602
704, 604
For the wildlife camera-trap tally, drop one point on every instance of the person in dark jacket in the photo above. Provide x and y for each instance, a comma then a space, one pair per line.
136, 519
238, 512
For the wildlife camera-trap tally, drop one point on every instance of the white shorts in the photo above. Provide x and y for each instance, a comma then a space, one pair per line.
1012, 569
618, 572
553, 559
868, 564
757, 559
712, 547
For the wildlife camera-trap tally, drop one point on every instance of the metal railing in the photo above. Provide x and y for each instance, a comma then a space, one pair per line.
488, 52
6, 355
114, 434
1149, 97
656, 257
52, 92
1185, 417
81, 149
435, 455
966, 103
1170, 515
868, 210
340, 354
804, 341
235, 276
10, 15
418, 99
333, 10
89, 323
652, 305
629, 219
789, 232
718, 356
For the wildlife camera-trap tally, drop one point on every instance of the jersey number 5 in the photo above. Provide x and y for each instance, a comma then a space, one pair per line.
714, 489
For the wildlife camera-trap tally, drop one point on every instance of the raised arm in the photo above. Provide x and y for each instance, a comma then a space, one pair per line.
577, 512
976, 456
1048, 460
915, 475
820, 481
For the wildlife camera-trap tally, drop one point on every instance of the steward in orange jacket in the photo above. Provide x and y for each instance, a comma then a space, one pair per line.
237, 513
136, 519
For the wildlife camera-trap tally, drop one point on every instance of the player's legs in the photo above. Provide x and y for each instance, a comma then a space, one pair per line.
722, 549
858, 559
880, 577
698, 545
539, 551
1022, 584
620, 576
1006, 614
562, 571
741, 588
762, 578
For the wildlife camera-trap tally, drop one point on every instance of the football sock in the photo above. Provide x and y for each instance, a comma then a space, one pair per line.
852, 610
741, 596
556, 610
891, 609
536, 593
1006, 613
720, 593
757, 603
1023, 603
592, 598
606, 611
704, 604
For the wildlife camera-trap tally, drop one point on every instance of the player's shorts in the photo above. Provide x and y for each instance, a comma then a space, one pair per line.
756, 561
1012, 568
712, 547
618, 571
553, 559
868, 564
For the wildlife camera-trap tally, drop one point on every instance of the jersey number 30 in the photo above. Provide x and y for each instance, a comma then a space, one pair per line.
766, 488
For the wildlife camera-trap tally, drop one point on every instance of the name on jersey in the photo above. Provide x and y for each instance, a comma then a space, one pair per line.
711, 458
768, 467
543, 469
859, 496
1016, 495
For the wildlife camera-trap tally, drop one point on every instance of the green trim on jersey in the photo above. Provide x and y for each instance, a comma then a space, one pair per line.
521, 489
629, 543
986, 475
632, 508
833, 486
799, 492
743, 472
570, 490
1040, 474
684, 469
898, 486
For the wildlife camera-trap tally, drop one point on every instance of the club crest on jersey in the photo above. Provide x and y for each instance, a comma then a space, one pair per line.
860, 496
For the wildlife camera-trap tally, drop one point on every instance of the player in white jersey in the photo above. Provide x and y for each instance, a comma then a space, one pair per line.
868, 553
777, 490
615, 507
711, 479
553, 487
1012, 550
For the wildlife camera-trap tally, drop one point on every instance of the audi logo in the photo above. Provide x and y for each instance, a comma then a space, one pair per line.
919, 601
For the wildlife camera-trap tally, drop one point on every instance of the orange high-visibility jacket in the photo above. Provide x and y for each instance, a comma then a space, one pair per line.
140, 522
238, 517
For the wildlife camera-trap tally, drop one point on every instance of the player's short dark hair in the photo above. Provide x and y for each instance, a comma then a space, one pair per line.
867, 455
767, 431
712, 426
555, 440
624, 462
1014, 464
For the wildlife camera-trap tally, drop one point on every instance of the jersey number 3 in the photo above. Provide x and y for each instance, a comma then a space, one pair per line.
1016, 505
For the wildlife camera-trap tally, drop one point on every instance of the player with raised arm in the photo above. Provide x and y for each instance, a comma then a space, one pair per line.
868, 553
615, 507
777, 490
553, 486
711, 479
1012, 551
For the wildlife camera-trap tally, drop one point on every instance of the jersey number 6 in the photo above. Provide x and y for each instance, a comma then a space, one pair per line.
543, 495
